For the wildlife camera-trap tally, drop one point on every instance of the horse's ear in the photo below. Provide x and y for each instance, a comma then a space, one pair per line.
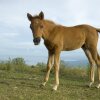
29, 16
41, 15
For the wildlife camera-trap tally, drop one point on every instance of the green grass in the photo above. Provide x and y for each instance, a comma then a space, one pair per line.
24, 84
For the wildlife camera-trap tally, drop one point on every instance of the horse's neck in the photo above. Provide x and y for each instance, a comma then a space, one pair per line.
49, 26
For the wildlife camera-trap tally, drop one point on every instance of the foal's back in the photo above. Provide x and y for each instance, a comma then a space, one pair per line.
71, 38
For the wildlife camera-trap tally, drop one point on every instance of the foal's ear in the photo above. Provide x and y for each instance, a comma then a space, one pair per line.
41, 15
29, 16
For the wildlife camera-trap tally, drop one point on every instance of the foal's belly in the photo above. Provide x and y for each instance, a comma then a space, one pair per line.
72, 44
72, 47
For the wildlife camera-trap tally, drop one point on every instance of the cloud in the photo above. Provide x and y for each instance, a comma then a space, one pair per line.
7, 35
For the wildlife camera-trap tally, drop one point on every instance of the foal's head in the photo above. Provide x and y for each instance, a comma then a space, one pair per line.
36, 26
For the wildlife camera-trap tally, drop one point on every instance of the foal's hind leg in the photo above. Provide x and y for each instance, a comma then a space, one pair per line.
96, 57
92, 65
98, 67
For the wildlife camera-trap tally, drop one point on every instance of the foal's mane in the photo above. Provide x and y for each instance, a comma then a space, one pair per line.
49, 21
36, 16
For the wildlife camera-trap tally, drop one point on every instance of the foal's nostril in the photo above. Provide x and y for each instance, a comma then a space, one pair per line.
36, 40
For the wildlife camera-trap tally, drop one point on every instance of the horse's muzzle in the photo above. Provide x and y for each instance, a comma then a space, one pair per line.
36, 40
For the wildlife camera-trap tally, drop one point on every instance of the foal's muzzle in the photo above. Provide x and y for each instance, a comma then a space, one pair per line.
37, 40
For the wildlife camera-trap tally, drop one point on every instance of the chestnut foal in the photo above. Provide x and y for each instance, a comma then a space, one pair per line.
59, 38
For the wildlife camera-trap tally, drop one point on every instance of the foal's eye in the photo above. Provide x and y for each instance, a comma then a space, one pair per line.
41, 26
31, 26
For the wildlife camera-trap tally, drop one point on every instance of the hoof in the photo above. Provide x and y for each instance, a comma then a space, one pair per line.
43, 84
90, 85
55, 87
98, 86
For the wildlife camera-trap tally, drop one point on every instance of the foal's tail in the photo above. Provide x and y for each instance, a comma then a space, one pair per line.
98, 29
98, 56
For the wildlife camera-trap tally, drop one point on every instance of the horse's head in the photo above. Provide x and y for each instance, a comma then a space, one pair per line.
36, 26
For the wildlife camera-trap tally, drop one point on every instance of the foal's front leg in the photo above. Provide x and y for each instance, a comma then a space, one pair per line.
49, 66
56, 68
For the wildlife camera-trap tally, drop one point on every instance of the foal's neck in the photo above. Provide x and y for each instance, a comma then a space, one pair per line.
49, 26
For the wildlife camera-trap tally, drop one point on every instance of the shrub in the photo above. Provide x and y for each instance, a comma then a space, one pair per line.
6, 65
16, 64
18, 61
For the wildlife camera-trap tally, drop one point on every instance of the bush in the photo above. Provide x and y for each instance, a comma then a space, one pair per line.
18, 61
41, 64
16, 64
6, 65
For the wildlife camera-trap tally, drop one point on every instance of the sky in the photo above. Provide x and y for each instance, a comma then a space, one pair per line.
16, 36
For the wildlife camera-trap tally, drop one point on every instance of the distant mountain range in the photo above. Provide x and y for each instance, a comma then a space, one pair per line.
75, 63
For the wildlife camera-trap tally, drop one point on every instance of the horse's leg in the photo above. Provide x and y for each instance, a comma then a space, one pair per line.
49, 66
56, 68
98, 67
97, 60
92, 65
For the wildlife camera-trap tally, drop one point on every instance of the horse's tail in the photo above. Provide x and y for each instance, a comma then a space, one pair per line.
98, 57
98, 29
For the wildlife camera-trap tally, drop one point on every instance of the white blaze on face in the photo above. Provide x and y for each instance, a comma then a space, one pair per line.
37, 22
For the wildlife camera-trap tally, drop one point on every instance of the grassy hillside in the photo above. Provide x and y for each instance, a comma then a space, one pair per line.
19, 81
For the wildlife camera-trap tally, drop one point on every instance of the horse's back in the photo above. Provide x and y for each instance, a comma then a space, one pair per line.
76, 36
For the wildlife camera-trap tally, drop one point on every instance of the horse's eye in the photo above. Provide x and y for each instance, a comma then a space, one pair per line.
41, 26
31, 26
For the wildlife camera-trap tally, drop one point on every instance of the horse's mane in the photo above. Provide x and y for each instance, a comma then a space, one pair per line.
51, 22
36, 16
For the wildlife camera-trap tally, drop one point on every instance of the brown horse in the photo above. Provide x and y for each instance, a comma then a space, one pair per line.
59, 38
